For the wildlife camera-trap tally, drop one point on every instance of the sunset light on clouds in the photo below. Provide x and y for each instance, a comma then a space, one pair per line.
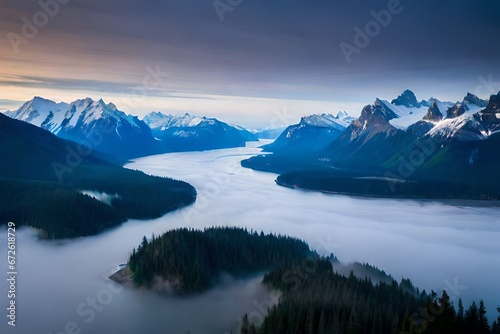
255, 61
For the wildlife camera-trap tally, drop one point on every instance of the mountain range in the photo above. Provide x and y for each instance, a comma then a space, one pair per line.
403, 148
194, 133
102, 127
409, 142
94, 124
311, 134
57, 186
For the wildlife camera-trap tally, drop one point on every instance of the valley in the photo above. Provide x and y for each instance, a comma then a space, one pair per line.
435, 247
250, 167
347, 218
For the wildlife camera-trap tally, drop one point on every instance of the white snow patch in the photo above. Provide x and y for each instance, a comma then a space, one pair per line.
184, 134
449, 127
406, 116
409, 116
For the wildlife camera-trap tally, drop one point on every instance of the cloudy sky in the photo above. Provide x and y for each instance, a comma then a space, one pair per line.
252, 62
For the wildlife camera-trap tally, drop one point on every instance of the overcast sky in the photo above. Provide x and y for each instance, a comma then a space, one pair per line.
253, 62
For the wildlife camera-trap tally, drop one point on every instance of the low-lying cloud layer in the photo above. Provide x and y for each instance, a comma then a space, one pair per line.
437, 246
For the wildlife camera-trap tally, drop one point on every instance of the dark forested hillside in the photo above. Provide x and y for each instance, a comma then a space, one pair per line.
314, 298
42, 180
189, 261
474, 187
318, 301
453, 158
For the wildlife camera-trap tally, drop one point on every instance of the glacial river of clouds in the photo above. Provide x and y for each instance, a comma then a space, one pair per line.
62, 287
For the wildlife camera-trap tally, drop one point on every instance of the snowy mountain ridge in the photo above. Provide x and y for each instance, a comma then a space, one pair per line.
328, 120
91, 123
478, 121
56, 117
157, 120
40, 111
403, 115
111, 131
194, 133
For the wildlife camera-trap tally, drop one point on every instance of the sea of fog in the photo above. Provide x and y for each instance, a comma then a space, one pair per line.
62, 287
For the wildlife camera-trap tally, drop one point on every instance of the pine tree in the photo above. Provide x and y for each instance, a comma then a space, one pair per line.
353, 325
460, 323
405, 325
133, 260
446, 320
460, 313
264, 329
395, 325
472, 319
245, 326
482, 320
495, 328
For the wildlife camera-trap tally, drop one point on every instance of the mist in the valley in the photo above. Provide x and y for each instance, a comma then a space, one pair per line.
362, 271
63, 286
101, 196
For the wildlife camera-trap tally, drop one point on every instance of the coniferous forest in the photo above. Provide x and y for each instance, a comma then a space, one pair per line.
191, 261
315, 299
380, 185
43, 179
64, 211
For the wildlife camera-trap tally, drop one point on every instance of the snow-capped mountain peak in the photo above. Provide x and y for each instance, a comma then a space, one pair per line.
189, 121
312, 133
471, 99
406, 110
40, 111
493, 106
433, 113
323, 120
86, 111
342, 114
473, 124
56, 117
112, 106
193, 133
408, 99
343, 119
159, 120
80, 119
465, 127
401, 116
156, 119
